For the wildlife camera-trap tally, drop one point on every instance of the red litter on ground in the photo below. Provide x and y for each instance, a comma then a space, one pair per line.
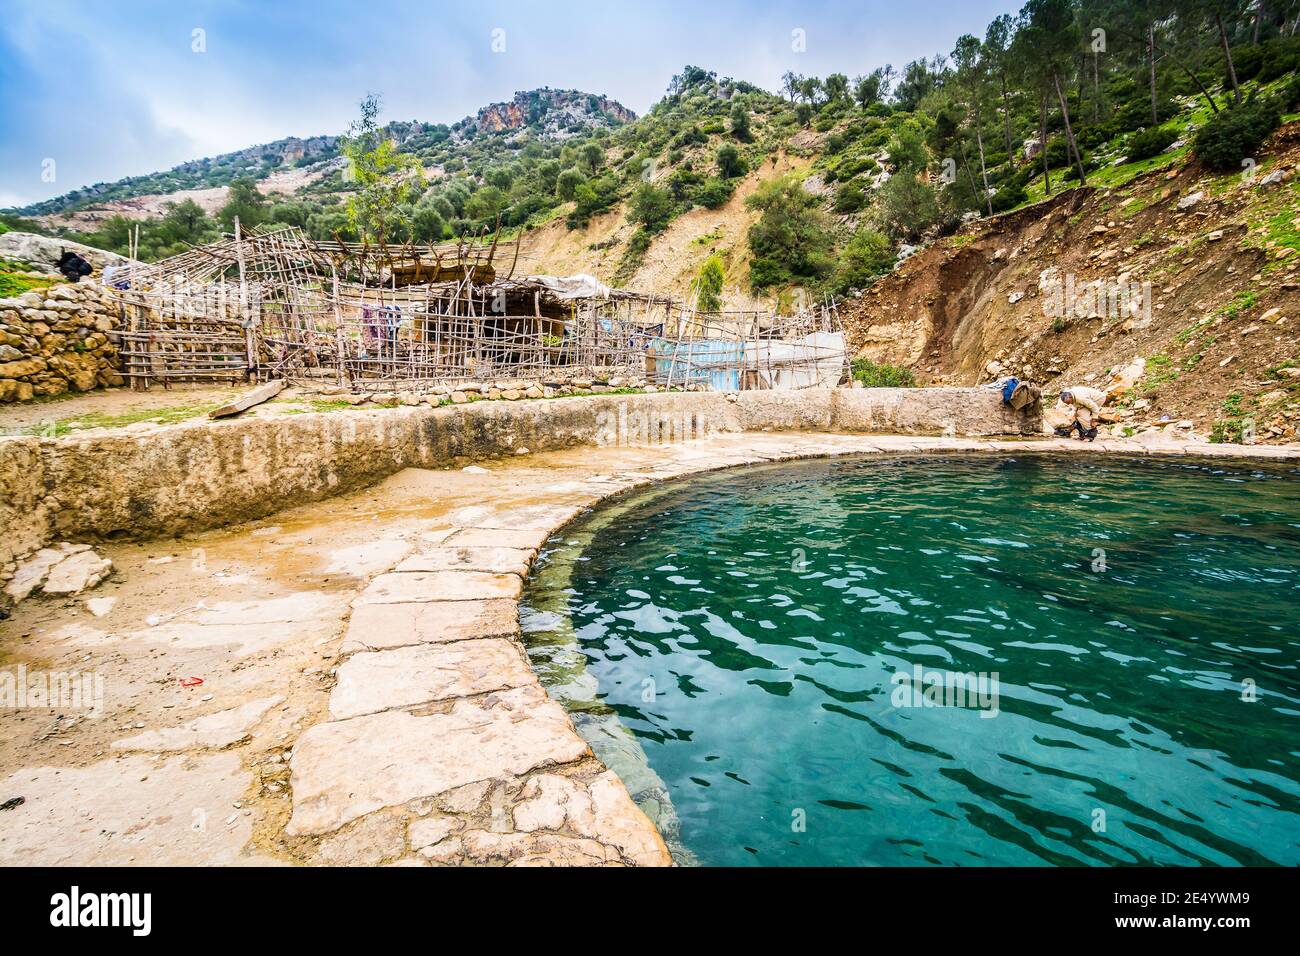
191, 681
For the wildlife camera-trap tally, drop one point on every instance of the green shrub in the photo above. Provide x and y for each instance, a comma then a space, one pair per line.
713, 192
567, 183
1009, 196
591, 198
1150, 142
1289, 96
1280, 56
709, 285
651, 207
791, 241
730, 165
908, 205
864, 259
871, 375
851, 197
1236, 134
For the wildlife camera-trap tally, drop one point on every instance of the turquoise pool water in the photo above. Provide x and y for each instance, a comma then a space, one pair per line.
733, 645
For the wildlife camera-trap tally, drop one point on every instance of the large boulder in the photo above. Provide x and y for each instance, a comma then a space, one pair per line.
41, 253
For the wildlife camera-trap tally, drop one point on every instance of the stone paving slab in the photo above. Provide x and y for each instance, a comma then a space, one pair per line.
532, 518
383, 680
413, 586
452, 558
378, 626
212, 731
499, 538
345, 769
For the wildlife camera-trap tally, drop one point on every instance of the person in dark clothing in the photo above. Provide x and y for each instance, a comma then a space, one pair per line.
73, 266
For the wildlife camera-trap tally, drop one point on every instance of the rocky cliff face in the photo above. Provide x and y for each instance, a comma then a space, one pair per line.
554, 113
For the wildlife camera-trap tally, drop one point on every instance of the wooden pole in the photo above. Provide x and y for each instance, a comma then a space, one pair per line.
243, 298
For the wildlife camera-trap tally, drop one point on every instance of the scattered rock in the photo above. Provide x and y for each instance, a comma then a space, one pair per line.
76, 573
427, 831
466, 799
100, 606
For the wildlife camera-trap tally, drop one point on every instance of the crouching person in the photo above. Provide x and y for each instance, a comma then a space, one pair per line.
1086, 404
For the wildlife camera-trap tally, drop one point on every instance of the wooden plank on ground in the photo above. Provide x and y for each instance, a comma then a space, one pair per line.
250, 398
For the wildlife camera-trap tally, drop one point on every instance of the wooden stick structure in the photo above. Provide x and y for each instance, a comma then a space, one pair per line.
274, 304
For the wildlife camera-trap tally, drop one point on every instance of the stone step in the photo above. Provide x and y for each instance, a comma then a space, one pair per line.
385, 680
344, 769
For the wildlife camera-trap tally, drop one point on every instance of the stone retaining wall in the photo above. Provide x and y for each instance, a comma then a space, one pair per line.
57, 340
964, 412
173, 479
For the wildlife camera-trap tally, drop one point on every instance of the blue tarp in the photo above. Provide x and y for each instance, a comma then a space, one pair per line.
715, 361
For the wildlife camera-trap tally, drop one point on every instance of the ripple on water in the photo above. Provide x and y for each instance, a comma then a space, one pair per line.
731, 645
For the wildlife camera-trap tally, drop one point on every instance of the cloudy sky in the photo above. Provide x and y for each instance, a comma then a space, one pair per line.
112, 89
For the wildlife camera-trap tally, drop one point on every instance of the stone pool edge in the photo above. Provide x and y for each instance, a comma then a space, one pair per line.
436, 698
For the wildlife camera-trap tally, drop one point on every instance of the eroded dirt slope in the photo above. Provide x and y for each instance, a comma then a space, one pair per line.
1218, 325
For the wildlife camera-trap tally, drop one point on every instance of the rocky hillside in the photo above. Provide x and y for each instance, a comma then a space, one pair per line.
211, 172
552, 114
545, 114
1183, 277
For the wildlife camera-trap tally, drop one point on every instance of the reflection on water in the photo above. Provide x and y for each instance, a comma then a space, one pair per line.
728, 644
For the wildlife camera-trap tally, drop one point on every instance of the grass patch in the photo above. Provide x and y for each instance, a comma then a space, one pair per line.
1189, 333
1160, 371
1108, 177
871, 375
1281, 230
1231, 428
15, 279
1242, 302
58, 427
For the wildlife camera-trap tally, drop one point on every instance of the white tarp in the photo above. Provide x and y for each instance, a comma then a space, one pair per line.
818, 360
580, 286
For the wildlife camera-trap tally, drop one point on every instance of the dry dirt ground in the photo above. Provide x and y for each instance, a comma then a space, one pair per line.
113, 408
72, 411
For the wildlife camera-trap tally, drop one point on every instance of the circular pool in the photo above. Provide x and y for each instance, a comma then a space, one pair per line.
976, 660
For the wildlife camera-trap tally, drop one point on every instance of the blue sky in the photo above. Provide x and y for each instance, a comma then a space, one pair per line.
112, 89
